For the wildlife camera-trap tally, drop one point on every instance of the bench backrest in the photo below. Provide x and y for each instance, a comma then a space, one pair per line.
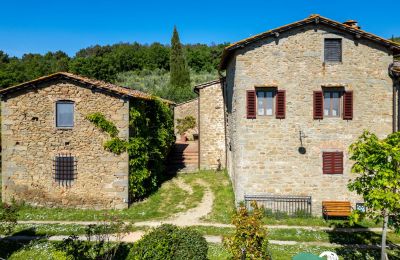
337, 207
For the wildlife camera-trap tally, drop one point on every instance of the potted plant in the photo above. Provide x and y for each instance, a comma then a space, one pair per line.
184, 124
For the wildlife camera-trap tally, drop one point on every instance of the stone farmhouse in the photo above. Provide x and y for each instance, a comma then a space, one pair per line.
294, 98
52, 155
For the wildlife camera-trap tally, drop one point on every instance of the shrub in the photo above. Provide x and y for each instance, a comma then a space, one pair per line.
8, 218
185, 124
170, 242
250, 237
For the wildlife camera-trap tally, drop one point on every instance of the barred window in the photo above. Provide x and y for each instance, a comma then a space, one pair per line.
64, 169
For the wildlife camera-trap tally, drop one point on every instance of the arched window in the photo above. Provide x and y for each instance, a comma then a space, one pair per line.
64, 114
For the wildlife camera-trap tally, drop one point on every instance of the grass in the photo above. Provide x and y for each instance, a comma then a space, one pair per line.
164, 203
167, 201
278, 252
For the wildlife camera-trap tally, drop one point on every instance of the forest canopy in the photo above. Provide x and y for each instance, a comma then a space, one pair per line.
111, 63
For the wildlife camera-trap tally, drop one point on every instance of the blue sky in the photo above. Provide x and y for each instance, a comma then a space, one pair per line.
41, 26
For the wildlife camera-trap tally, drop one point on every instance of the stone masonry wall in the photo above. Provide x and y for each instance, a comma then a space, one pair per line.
189, 108
263, 156
212, 128
31, 141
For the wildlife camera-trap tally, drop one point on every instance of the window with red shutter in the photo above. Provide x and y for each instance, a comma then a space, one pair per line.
280, 104
332, 162
318, 103
348, 105
251, 104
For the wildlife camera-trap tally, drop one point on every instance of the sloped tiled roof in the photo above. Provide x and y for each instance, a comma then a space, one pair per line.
207, 84
92, 83
316, 19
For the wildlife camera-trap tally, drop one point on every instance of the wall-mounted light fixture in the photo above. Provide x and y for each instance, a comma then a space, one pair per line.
302, 149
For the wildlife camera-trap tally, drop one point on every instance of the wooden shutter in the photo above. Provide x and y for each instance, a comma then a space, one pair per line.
251, 104
333, 50
280, 104
348, 105
332, 162
318, 103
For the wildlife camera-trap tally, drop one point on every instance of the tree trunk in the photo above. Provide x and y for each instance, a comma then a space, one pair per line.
384, 231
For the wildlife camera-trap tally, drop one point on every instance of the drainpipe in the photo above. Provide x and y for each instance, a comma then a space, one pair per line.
395, 75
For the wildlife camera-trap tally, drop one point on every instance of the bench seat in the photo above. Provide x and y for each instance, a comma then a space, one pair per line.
336, 208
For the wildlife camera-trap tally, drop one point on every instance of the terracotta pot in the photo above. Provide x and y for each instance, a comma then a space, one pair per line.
183, 138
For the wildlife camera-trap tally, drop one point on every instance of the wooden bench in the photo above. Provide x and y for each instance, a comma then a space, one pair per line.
336, 208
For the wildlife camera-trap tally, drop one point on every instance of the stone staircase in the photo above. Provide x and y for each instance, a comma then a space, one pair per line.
184, 157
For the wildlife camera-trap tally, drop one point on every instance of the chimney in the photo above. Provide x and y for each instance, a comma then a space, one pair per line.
352, 24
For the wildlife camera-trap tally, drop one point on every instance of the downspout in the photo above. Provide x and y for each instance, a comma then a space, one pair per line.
224, 94
395, 75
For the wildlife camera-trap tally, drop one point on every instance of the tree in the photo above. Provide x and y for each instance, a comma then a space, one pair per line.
378, 178
180, 74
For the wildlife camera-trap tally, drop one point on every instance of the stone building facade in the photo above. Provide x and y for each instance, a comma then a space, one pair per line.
182, 110
32, 141
212, 146
281, 149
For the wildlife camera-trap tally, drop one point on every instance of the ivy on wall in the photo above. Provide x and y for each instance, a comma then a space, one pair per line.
151, 136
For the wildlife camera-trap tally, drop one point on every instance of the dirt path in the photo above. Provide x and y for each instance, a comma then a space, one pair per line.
193, 216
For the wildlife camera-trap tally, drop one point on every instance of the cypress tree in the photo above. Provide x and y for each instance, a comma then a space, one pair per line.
180, 74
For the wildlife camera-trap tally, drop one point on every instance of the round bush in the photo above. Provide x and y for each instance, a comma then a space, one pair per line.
170, 242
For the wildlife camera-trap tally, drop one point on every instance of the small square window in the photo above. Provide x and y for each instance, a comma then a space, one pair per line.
332, 101
333, 50
265, 102
65, 114
332, 162
64, 169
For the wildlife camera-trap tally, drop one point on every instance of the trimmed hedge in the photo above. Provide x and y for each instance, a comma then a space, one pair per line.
170, 242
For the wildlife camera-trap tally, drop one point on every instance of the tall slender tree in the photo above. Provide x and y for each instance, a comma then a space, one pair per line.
180, 74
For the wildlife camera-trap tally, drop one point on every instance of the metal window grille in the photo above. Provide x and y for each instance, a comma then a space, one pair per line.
65, 169
290, 205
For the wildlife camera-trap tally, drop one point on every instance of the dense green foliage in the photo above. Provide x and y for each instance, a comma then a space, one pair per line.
179, 81
151, 137
250, 238
170, 242
8, 218
156, 82
377, 165
184, 124
105, 62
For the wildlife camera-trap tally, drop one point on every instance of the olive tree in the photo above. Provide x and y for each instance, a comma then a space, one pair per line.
377, 178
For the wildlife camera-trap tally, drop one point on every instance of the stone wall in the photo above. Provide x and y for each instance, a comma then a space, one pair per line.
263, 155
212, 127
31, 141
182, 110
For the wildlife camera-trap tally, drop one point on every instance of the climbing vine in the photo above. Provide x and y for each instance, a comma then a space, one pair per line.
151, 136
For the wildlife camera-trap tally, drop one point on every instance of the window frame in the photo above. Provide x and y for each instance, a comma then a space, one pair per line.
341, 50
56, 114
340, 91
274, 93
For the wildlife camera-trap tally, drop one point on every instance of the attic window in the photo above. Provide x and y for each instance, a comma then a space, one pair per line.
333, 50
65, 114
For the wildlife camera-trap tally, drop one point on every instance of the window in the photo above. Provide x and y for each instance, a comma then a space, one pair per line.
64, 168
332, 103
333, 50
64, 114
265, 102
332, 162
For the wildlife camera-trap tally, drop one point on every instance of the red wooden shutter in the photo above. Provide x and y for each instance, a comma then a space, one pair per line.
251, 104
348, 105
280, 104
318, 101
332, 162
